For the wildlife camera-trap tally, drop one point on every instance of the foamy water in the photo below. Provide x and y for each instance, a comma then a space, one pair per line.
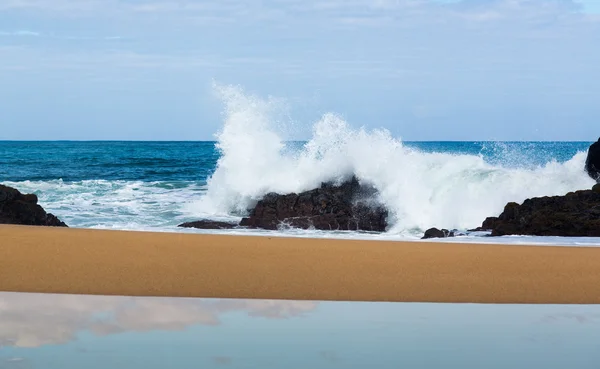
420, 189
156, 186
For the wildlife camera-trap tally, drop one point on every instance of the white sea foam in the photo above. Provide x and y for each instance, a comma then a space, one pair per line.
420, 189
130, 205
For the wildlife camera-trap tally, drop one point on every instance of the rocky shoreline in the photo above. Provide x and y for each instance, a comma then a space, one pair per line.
350, 206
353, 206
576, 214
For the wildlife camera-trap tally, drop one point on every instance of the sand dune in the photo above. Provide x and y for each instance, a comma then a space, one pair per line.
53, 260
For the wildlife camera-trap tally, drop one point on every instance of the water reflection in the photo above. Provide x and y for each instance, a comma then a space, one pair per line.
33, 320
60, 331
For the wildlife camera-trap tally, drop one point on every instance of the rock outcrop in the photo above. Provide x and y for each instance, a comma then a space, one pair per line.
348, 206
208, 224
17, 208
576, 214
437, 233
592, 162
487, 225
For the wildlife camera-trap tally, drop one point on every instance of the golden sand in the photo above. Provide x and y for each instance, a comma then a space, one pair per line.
78, 261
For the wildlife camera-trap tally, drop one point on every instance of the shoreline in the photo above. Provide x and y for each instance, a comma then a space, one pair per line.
143, 263
509, 240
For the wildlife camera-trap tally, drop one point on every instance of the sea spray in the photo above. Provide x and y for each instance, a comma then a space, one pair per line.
158, 185
420, 189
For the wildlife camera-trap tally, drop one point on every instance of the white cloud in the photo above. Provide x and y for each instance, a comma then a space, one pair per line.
55, 6
20, 33
246, 9
418, 59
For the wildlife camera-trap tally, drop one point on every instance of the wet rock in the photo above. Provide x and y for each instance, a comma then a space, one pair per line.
437, 233
576, 214
208, 224
17, 208
348, 206
592, 162
487, 225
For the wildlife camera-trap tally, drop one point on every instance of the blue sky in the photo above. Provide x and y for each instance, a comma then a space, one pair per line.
425, 70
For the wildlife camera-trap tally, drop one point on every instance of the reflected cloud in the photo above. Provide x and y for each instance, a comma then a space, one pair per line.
33, 320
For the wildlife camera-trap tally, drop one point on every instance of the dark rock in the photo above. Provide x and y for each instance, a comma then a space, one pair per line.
487, 225
437, 233
17, 208
348, 206
30, 198
596, 188
592, 162
576, 214
208, 224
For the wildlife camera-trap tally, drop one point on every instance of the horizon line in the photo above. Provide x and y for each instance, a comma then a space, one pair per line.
214, 141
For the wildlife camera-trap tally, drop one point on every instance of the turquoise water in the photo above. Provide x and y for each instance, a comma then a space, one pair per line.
158, 185
174, 162
169, 162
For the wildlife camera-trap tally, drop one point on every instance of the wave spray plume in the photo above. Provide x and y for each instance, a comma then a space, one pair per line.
420, 189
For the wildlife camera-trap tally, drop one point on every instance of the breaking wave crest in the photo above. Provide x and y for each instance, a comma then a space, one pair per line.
421, 189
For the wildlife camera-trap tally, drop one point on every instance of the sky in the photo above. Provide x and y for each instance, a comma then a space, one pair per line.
423, 69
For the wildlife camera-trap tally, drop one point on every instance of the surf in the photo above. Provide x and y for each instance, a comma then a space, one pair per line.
420, 189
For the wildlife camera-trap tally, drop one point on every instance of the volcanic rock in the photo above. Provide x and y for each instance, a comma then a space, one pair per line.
208, 224
592, 162
576, 214
17, 208
437, 233
487, 225
348, 206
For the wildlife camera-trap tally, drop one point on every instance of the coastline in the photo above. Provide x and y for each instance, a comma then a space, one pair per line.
86, 261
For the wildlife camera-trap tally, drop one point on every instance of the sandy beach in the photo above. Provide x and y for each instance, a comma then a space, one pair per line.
82, 261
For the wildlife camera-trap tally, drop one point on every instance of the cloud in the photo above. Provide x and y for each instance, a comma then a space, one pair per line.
59, 36
311, 15
26, 57
62, 7
33, 320
20, 33
288, 9
379, 62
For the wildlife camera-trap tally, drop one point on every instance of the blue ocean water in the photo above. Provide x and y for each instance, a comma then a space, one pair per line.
158, 185
184, 161
107, 160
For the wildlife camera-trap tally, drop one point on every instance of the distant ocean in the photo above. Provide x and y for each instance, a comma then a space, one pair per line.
158, 185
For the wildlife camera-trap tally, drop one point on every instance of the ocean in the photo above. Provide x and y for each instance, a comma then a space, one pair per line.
154, 186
